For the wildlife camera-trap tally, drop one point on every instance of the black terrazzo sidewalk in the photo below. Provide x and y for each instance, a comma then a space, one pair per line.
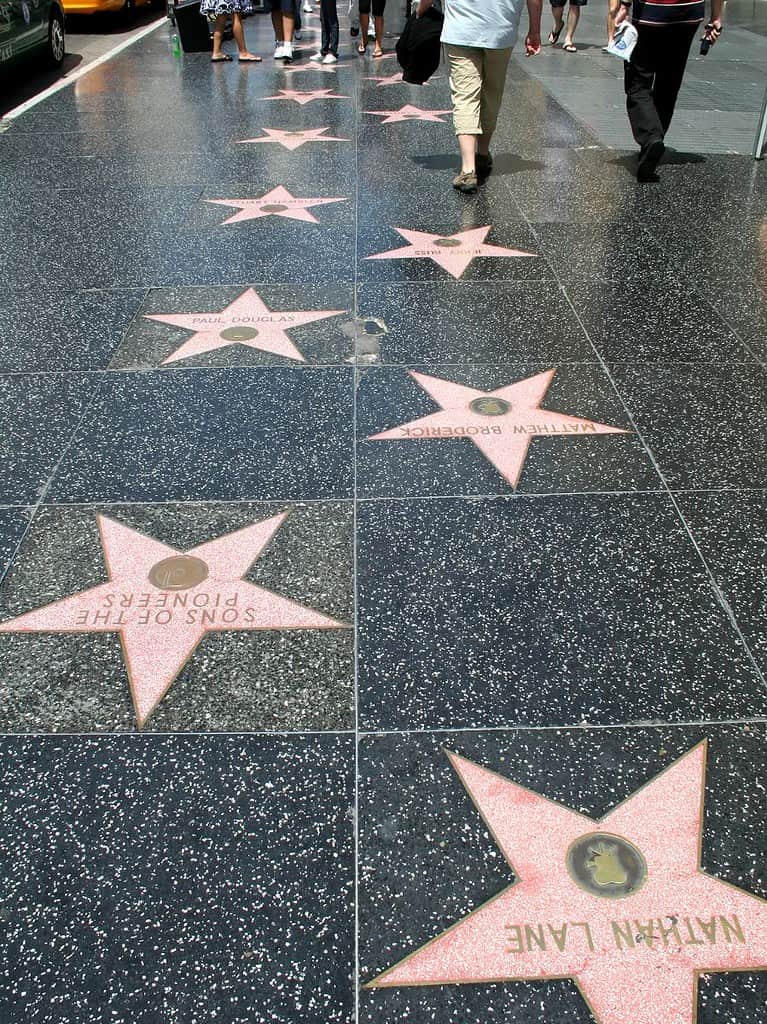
315, 615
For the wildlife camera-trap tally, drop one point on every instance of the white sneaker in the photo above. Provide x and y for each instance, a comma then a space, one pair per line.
330, 58
307, 8
279, 51
287, 52
316, 58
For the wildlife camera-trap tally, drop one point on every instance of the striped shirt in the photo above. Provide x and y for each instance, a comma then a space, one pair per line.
668, 12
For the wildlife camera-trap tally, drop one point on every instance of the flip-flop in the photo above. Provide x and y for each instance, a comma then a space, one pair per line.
377, 56
554, 36
569, 48
220, 60
362, 49
248, 60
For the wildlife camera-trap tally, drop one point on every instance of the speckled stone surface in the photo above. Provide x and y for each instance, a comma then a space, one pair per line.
228, 434
46, 330
427, 858
731, 529
177, 879
705, 425
32, 440
467, 322
388, 397
525, 611
13, 523
235, 681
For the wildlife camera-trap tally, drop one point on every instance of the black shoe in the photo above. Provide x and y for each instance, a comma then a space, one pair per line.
649, 158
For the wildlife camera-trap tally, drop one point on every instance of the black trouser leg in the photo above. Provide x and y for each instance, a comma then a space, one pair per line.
669, 75
329, 20
653, 78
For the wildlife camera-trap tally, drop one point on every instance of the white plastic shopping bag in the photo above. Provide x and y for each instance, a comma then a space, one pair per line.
624, 41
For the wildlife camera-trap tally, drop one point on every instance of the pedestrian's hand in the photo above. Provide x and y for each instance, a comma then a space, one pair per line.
713, 30
533, 44
423, 7
622, 15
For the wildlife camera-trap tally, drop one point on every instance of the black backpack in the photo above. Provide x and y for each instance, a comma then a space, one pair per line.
418, 48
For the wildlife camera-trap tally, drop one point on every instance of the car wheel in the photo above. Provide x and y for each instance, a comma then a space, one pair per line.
56, 46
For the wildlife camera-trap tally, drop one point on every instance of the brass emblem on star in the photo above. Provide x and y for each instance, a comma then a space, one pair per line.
606, 865
179, 572
490, 406
238, 333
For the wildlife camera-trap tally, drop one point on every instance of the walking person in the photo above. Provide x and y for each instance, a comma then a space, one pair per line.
378, 7
218, 11
653, 76
328, 52
573, 17
479, 38
284, 22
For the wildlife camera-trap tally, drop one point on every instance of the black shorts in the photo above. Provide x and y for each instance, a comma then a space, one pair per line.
573, 3
378, 7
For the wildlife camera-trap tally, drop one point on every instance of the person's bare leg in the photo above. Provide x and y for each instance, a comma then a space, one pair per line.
468, 146
558, 14
612, 10
277, 24
218, 36
239, 37
364, 25
288, 27
573, 17
379, 27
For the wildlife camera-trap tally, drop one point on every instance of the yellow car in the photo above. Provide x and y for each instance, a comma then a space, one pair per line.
125, 7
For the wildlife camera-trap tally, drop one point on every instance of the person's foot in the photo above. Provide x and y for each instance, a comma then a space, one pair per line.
287, 53
298, 34
248, 58
307, 8
330, 58
279, 51
466, 182
649, 158
555, 34
316, 58
569, 47
484, 164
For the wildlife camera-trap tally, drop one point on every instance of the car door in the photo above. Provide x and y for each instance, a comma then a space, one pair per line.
32, 21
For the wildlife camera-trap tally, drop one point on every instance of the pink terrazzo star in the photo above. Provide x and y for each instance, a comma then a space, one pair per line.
293, 139
501, 423
246, 321
277, 203
620, 905
395, 79
163, 601
306, 97
453, 253
409, 113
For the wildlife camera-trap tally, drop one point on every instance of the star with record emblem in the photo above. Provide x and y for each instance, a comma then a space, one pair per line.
304, 97
292, 140
409, 113
277, 203
501, 423
246, 321
454, 253
621, 904
162, 602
